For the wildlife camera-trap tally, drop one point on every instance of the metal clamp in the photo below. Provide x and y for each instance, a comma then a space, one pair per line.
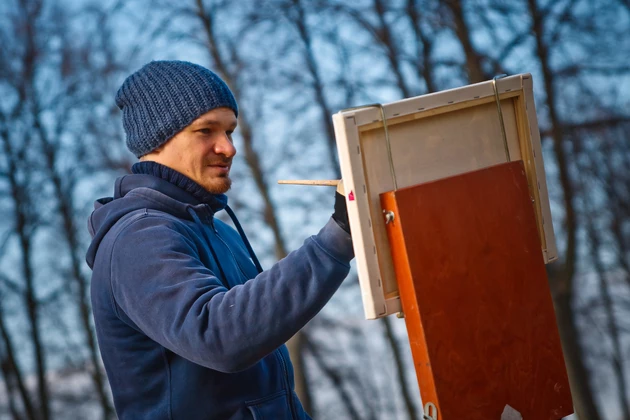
389, 216
389, 146
500, 111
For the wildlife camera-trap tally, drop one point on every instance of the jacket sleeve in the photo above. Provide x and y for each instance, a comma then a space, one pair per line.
161, 284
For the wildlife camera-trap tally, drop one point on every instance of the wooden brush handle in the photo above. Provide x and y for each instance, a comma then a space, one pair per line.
317, 182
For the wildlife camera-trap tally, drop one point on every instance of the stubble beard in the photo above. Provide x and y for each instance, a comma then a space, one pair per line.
218, 185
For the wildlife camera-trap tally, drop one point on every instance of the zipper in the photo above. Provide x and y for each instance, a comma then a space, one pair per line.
231, 253
278, 352
216, 232
286, 382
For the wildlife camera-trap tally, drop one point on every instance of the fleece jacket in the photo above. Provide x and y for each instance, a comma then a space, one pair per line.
187, 326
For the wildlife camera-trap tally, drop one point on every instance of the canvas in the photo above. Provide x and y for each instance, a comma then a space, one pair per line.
431, 137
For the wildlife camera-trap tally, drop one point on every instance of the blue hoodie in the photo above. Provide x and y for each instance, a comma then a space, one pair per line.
187, 326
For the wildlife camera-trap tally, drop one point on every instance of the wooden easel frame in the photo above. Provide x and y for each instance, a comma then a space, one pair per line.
355, 127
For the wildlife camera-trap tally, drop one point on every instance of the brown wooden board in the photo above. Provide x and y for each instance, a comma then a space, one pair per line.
474, 291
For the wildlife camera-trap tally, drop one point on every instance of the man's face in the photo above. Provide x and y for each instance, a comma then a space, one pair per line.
202, 151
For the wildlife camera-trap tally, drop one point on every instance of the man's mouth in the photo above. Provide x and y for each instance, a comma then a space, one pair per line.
223, 167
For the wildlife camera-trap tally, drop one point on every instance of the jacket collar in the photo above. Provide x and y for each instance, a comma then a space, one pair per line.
168, 181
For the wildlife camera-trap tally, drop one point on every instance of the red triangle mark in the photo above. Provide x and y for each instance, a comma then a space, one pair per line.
351, 196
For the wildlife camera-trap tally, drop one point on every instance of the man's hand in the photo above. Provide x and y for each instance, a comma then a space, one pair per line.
341, 211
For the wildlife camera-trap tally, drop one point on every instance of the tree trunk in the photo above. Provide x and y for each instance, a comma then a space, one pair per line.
473, 61
391, 49
76, 279
29, 14
318, 86
423, 48
573, 356
595, 245
336, 378
296, 350
617, 356
22, 229
251, 156
563, 287
400, 368
32, 308
270, 215
12, 372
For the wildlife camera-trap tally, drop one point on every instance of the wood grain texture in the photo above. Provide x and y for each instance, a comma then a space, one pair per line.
428, 149
474, 290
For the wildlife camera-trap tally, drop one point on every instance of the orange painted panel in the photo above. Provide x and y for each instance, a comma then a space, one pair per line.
475, 295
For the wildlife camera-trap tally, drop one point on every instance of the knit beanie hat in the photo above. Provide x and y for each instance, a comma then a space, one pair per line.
163, 97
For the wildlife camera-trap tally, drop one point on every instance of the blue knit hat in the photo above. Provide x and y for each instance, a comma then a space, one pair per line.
163, 97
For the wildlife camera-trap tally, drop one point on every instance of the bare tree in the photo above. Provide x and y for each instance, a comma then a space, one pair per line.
617, 356
295, 12
24, 226
463, 32
424, 43
57, 109
381, 30
12, 375
40, 134
63, 181
562, 279
337, 379
599, 172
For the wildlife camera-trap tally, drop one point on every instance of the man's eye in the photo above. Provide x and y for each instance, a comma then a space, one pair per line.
205, 131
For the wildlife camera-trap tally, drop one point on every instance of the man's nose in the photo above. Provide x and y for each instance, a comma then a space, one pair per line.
224, 146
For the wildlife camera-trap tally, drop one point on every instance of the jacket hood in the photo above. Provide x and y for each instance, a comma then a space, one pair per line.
142, 191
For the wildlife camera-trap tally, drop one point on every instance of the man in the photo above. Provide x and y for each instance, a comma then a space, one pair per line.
189, 326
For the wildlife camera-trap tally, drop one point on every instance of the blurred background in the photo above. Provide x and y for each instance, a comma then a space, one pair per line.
291, 64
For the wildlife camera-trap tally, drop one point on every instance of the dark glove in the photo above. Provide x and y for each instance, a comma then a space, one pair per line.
341, 212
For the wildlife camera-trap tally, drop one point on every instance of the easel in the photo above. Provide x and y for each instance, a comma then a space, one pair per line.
466, 253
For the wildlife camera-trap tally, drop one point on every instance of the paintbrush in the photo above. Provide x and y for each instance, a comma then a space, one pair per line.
321, 182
